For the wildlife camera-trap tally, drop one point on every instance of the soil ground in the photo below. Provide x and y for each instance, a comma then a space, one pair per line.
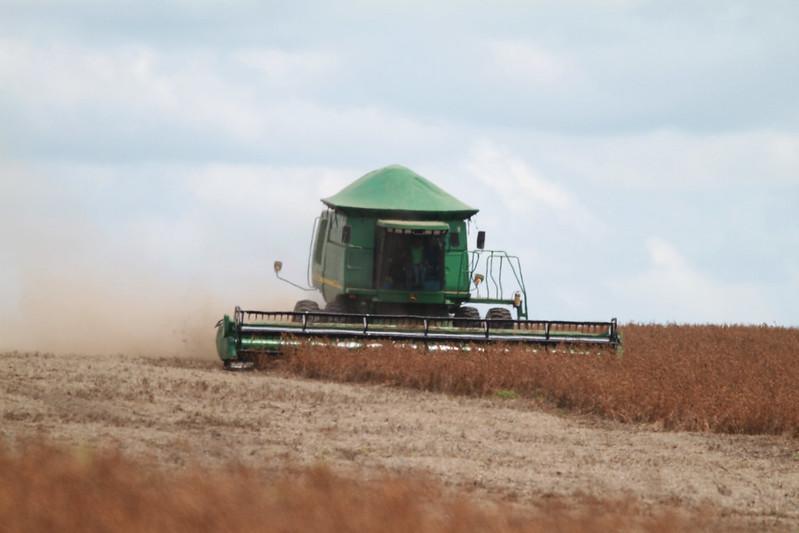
182, 411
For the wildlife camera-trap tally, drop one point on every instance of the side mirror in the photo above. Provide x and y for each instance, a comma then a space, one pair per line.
481, 240
278, 266
346, 234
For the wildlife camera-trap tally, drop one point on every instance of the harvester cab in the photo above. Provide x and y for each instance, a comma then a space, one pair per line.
390, 258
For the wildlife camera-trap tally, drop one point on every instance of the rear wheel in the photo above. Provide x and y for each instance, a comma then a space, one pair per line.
467, 312
500, 314
305, 306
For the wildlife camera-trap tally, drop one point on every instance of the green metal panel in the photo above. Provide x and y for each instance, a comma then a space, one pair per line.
345, 265
333, 272
405, 297
359, 271
328, 259
317, 251
348, 267
225, 341
396, 188
456, 279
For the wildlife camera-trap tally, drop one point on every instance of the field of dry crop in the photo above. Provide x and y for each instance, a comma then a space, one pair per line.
731, 379
50, 489
496, 440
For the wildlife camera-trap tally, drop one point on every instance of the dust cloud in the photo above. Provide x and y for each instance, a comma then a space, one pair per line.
72, 312
78, 278
77, 312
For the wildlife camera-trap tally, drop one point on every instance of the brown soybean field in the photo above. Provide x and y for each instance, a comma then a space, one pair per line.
691, 427
728, 379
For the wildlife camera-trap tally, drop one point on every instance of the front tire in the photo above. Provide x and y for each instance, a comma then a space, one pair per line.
467, 312
337, 306
305, 306
500, 314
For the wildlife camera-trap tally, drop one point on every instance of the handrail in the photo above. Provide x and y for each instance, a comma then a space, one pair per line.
493, 275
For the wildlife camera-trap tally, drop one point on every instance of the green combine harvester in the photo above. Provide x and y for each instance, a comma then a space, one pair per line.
389, 256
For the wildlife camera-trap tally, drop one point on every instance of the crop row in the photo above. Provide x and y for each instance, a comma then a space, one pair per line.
732, 379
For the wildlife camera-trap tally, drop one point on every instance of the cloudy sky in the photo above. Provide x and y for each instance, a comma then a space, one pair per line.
642, 157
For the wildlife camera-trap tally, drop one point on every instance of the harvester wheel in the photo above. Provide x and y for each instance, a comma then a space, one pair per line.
500, 313
337, 306
305, 306
467, 312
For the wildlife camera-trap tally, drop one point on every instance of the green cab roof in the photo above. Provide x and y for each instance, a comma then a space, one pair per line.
398, 189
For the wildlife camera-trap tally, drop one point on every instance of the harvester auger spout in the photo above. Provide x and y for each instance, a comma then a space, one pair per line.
389, 256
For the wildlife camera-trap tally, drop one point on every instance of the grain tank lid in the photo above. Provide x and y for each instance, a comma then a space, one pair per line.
397, 188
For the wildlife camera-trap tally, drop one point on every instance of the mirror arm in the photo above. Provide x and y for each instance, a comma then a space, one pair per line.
278, 266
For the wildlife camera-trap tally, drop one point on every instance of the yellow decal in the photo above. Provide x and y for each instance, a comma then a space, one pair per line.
330, 282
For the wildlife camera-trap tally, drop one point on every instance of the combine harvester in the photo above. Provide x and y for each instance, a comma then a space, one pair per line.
389, 255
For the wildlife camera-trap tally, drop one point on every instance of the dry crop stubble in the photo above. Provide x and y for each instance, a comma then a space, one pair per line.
45, 488
729, 379
202, 415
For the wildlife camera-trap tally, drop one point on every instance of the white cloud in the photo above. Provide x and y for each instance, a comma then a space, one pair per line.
290, 68
72, 88
528, 63
672, 289
674, 159
267, 192
139, 95
526, 193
